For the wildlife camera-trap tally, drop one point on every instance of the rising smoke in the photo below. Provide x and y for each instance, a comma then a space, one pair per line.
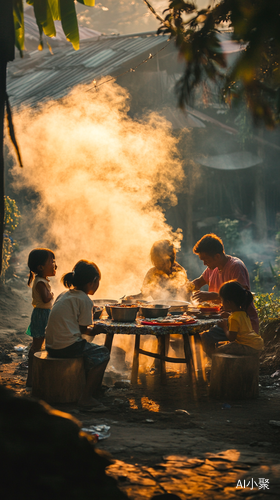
99, 176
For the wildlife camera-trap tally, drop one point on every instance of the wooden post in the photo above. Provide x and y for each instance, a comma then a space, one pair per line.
135, 364
234, 377
189, 362
109, 341
57, 380
161, 351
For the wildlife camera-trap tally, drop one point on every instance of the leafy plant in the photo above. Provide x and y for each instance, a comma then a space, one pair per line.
6, 256
229, 232
267, 305
11, 221
255, 74
46, 12
11, 215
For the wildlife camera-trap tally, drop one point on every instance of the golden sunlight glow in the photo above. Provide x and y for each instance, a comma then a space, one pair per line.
203, 359
149, 404
132, 404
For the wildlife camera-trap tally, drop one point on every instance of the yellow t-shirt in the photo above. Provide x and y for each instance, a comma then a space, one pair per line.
240, 322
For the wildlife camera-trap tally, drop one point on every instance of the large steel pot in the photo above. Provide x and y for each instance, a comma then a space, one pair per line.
154, 311
123, 314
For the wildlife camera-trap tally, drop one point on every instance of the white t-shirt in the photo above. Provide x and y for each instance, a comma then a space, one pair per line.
36, 297
71, 309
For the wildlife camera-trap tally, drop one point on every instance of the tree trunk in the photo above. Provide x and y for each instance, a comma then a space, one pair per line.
189, 219
261, 221
7, 53
3, 65
57, 380
234, 377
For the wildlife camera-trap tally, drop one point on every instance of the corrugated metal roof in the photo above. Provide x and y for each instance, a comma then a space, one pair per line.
32, 30
43, 75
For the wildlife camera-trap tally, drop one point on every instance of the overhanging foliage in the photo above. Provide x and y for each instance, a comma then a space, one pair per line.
255, 75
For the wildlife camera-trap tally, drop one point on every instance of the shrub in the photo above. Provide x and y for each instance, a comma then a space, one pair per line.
11, 221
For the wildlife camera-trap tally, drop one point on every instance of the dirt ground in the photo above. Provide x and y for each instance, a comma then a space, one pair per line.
215, 449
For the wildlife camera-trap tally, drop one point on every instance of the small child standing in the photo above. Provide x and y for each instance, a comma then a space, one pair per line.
238, 327
41, 262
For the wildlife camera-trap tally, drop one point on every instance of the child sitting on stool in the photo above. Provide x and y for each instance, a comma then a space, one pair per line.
238, 327
71, 318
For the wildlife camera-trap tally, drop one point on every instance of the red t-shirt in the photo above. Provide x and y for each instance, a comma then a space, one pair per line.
234, 269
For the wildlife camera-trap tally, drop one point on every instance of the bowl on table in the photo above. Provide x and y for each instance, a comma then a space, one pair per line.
124, 313
97, 312
154, 310
178, 306
105, 303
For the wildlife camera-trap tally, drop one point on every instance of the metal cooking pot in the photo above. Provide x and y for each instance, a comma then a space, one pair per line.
123, 314
97, 313
154, 311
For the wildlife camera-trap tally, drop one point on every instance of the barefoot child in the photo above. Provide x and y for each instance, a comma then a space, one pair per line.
71, 318
238, 327
41, 262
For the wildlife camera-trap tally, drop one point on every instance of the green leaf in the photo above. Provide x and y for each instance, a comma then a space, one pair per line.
69, 22
89, 3
43, 15
54, 7
19, 25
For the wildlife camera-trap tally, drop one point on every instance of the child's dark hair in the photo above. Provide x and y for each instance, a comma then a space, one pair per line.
83, 273
233, 291
37, 257
210, 244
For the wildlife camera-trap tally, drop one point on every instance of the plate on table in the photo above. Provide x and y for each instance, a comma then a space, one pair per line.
180, 320
209, 309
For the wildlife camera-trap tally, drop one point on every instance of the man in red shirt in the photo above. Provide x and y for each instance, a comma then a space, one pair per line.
220, 269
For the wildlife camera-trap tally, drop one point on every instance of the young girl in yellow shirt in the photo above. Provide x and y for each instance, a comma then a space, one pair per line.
238, 327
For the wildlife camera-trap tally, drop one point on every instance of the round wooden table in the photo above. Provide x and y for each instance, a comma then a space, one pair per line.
162, 333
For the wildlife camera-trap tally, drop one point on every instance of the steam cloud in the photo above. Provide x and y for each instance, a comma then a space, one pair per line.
99, 175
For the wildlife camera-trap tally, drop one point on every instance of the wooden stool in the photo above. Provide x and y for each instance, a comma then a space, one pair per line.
234, 377
57, 380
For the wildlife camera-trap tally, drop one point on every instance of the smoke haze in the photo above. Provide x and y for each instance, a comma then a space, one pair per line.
99, 175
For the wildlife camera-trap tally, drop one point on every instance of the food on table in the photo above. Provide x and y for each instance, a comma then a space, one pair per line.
209, 307
127, 305
170, 321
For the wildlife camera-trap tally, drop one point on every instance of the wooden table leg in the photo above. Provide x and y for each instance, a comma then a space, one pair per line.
135, 364
189, 359
161, 351
109, 341
201, 378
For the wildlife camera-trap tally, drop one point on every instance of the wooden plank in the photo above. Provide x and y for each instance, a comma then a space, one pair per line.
159, 356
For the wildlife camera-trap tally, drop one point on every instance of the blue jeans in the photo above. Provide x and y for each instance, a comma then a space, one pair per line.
210, 339
93, 354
